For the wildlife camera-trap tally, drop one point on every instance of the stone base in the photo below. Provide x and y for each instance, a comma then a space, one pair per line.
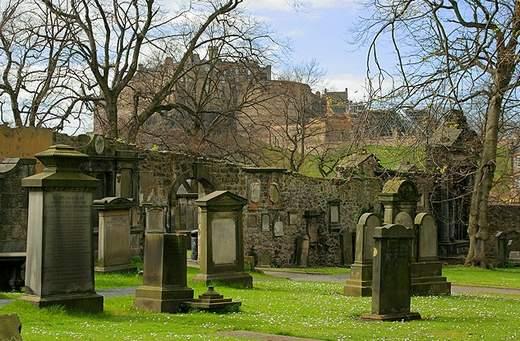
234, 279
392, 317
360, 282
90, 303
162, 299
10, 327
212, 301
427, 279
115, 268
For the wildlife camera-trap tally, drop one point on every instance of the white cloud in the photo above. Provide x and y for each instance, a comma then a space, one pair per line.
292, 5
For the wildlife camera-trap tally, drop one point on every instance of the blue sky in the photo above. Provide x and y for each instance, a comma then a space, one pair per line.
321, 30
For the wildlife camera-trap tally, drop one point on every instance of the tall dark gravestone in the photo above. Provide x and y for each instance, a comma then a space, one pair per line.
164, 286
60, 262
391, 278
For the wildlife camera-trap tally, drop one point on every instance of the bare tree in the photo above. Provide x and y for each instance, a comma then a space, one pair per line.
37, 86
311, 73
451, 53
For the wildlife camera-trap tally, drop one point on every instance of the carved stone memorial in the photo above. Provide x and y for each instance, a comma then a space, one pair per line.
164, 286
360, 281
60, 262
391, 278
113, 234
221, 256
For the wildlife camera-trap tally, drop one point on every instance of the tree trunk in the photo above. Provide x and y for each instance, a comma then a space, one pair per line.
478, 217
111, 112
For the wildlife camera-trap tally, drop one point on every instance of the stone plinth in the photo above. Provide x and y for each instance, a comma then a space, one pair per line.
360, 281
221, 256
164, 286
391, 278
114, 234
212, 301
60, 266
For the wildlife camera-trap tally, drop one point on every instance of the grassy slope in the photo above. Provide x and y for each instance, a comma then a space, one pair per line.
284, 307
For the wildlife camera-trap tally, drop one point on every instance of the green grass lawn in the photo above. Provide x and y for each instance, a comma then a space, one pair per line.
499, 277
279, 306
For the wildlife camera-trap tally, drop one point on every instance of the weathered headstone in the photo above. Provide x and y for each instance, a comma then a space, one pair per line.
360, 281
506, 240
391, 278
274, 193
266, 223
155, 221
221, 255
60, 262
164, 286
302, 250
255, 192
10, 328
400, 197
427, 276
113, 234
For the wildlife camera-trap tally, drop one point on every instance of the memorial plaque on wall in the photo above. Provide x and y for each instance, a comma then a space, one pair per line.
293, 218
223, 232
252, 221
274, 193
266, 223
334, 214
278, 229
254, 192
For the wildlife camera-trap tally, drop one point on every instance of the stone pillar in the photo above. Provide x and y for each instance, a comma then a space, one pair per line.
360, 280
221, 244
164, 286
113, 234
427, 270
60, 262
391, 278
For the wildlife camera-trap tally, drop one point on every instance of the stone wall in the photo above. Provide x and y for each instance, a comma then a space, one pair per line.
300, 203
501, 217
13, 203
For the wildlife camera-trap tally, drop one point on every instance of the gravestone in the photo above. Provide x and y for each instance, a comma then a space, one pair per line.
360, 281
60, 262
400, 197
155, 221
255, 192
113, 234
221, 255
427, 276
212, 301
274, 193
164, 286
391, 277
507, 243
10, 328
302, 250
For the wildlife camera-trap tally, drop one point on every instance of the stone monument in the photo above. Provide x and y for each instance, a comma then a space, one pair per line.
360, 281
221, 255
212, 301
391, 278
60, 262
113, 234
400, 197
164, 286
427, 276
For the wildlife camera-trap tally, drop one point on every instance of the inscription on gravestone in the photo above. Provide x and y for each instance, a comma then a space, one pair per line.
224, 240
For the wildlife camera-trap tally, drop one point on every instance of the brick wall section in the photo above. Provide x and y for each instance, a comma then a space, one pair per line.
501, 218
161, 173
14, 203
